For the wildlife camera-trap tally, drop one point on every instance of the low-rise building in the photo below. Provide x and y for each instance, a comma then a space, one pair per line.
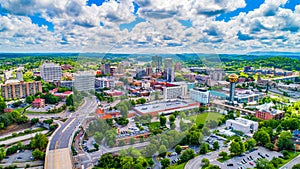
105, 82
244, 125
266, 112
165, 107
38, 103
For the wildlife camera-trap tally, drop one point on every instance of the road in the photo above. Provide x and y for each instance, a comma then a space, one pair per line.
59, 154
21, 138
290, 164
196, 162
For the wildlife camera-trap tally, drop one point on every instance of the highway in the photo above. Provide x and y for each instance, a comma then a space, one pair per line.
58, 154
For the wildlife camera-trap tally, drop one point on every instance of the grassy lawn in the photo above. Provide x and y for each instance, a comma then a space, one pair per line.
177, 166
154, 125
222, 160
204, 117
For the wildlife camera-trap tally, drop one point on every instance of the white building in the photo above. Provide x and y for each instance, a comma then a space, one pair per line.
173, 92
51, 72
19, 75
105, 82
199, 95
244, 125
68, 84
84, 81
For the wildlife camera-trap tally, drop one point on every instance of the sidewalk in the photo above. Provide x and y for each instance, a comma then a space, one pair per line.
21, 138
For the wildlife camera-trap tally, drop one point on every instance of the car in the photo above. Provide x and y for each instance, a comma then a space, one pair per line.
239, 163
251, 163
251, 157
19, 157
230, 164
267, 155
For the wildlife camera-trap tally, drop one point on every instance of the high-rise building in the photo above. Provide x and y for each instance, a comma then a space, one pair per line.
16, 89
157, 63
19, 75
120, 68
168, 63
216, 74
51, 72
84, 81
170, 75
149, 71
105, 68
140, 73
177, 66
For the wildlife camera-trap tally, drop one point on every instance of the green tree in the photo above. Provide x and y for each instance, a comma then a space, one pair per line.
187, 155
296, 166
132, 140
122, 142
34, 120
165, 162
250, 143
223, 154
172, 118
216, 145
150, 150
264, 164
2, 106
285, 141
37, 154
2, 153
203, 148
162, 120
262, 137
178, 149
39, 141
70, 100
205, 162
162, 150
98, 136
235, 148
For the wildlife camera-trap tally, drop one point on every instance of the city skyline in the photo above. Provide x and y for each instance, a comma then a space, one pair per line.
145, 26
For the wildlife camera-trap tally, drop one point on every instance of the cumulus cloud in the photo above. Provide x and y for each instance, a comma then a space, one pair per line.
97, 28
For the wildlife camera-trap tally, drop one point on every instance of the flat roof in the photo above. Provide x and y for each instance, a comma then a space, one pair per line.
242, 121
148, 108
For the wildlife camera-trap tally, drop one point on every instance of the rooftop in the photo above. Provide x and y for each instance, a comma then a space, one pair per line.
243, 121
148, 108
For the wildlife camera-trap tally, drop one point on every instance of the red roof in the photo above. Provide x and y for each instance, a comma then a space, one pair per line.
99, 111
38, 100
107, 116
68, 92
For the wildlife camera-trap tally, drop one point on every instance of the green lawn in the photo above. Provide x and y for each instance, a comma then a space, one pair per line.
154, 125
204, 117
176, 166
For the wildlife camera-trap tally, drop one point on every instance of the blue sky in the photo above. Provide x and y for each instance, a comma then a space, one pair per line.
231, 26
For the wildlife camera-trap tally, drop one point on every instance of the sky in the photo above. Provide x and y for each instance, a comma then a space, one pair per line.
156, 26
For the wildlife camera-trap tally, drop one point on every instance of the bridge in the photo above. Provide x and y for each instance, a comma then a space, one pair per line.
229, 107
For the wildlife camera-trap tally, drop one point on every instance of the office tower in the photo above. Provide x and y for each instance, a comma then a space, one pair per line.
16, 89
105, 82
149, 70
84, 81
168, 63
105, 68
157, 63
51, 72
170, 75
177, 66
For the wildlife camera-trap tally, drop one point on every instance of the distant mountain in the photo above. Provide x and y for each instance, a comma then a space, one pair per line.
274, 53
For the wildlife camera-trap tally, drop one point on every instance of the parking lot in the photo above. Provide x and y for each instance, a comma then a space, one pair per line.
214, 138
23, 156
248, 159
